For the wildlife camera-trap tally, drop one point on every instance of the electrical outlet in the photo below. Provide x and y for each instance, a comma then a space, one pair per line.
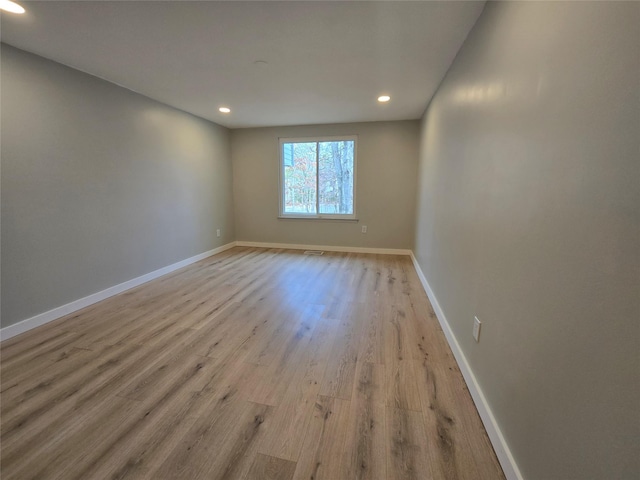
476, 328
218, 232
364, 229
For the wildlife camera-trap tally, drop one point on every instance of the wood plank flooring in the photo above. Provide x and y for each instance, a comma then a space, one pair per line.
252, 364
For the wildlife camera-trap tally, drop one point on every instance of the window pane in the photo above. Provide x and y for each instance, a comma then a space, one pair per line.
335, 177
299, 163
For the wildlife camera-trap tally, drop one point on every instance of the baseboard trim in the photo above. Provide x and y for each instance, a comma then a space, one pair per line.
58, 312
326, 248
508, 463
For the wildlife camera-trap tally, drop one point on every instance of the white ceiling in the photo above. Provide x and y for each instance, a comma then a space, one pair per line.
327, 62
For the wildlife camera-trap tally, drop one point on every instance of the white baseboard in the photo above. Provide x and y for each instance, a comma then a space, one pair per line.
41, 319
326, 248
508, 463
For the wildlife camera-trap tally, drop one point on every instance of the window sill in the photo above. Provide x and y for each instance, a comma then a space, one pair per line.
314, 218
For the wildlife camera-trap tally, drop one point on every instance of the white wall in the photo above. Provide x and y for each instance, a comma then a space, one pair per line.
529, 217
387, 162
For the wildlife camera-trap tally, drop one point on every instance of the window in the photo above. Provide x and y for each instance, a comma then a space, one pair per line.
317, 178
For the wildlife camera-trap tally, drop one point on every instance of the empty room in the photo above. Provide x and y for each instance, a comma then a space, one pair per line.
320, 240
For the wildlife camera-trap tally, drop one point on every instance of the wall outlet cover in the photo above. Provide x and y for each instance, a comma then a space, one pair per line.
476, 328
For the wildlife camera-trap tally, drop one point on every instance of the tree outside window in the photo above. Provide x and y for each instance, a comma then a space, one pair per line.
318, 178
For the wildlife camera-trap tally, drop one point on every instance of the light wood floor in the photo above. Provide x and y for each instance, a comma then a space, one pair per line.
252, 364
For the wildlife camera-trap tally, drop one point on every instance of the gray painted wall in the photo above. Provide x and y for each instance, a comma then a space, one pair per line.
387, 165
99, 185
529, 217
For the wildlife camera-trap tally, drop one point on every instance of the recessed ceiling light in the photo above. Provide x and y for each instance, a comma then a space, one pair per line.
10, 6
225, 110
384, 98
